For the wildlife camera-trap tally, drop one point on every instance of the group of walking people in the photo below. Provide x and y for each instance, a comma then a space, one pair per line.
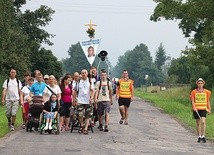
92, 96
89, 93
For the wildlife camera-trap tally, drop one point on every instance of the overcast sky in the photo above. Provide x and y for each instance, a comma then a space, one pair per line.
121, 25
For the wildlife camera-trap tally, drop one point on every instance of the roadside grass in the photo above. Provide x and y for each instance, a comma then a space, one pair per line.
3, 121
176, 102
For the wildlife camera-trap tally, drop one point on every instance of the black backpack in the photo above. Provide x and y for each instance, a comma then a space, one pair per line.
101, 84
16, 80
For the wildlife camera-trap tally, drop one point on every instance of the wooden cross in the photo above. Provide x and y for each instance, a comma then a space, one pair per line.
90, 25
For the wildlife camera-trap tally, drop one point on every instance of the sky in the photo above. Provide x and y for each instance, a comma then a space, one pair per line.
121, 25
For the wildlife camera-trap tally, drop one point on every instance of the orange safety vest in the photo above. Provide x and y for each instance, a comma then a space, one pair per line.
201, 99
125, 90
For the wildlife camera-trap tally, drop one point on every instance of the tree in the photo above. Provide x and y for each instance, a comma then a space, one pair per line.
196, 19
138, 62
186, 70
46, 62
160, 57
31, 23
21, 38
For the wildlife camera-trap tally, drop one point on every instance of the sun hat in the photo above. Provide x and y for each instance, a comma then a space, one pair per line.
52, 76
200, 79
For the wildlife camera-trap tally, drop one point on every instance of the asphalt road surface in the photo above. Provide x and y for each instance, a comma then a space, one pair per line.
149, 132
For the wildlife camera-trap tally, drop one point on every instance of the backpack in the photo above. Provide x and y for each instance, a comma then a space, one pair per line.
77, 86
16, 81
101, 84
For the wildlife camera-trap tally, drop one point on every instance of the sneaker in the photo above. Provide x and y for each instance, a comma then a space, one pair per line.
50, 127
203, 140
121, 121
106, 129
46, 127
12, 128
23, 126
126, 123
101, 127
199, 139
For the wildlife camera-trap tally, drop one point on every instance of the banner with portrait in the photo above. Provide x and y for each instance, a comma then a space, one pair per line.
90, 49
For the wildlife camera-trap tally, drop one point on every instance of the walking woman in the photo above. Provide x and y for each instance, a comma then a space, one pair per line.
66, 102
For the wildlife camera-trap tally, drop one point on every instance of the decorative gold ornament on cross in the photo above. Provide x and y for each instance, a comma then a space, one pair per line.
91, 30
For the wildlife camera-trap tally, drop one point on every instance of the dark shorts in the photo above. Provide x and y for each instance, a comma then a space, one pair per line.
64, 110
202, 113
103, 106
124, 101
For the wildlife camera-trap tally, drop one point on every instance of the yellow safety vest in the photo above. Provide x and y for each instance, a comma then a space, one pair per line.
201, 99
125, 88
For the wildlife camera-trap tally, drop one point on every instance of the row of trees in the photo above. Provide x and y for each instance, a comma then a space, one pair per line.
138, 62
196, 20
21, 38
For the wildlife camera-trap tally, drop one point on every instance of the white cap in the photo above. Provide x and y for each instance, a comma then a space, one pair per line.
46, 77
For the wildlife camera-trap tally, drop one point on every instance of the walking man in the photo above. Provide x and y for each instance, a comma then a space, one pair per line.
124, 95
103, 98
200, 98
37, 89
11, 97
83, 99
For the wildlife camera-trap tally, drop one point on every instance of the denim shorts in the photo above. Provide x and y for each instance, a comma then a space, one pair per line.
49, 115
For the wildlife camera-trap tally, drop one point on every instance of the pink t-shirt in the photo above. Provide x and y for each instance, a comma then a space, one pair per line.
67, 95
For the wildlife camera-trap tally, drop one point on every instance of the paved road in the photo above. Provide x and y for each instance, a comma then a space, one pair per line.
149, 132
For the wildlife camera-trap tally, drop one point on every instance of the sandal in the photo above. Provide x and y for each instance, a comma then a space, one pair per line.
85, 132
121, 121
80, 130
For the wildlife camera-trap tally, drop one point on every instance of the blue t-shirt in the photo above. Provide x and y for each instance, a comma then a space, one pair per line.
38, 88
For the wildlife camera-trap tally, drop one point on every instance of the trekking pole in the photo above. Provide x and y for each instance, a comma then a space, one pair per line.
198, 114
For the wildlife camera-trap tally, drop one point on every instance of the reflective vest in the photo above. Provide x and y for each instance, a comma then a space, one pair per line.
201, 99
125, 90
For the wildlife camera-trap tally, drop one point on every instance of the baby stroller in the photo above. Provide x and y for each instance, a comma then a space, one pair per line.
36, 108
74, 122
55, 125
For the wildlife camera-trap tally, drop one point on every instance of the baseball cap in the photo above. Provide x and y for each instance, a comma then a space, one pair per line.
46, 76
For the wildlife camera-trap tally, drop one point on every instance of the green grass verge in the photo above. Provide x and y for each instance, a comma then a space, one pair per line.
3, 121
176, 102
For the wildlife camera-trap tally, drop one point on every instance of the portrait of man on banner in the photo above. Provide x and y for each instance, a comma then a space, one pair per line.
90, 49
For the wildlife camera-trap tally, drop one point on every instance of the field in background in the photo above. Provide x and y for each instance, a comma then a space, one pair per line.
176, 102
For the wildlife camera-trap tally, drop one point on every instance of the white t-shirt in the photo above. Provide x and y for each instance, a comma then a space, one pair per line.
26, 92
74, 84
12, 89
84, 91
104, 90
56, 89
